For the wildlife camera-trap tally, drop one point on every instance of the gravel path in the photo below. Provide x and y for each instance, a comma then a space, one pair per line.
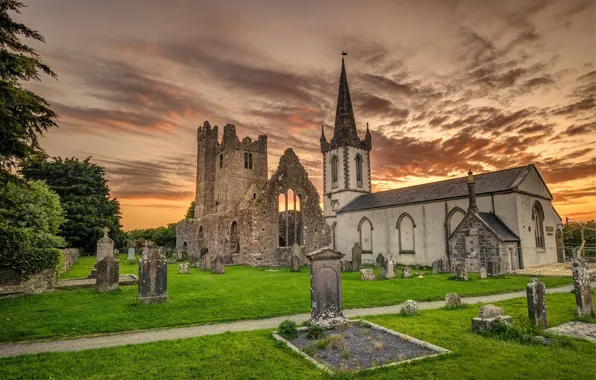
147, 336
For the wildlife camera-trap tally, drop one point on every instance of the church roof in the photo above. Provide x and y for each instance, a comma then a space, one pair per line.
497, 226
486, 183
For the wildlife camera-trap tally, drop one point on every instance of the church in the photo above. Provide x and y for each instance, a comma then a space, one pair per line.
502, 219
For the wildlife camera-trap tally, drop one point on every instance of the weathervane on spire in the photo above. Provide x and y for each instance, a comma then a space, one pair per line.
342, 54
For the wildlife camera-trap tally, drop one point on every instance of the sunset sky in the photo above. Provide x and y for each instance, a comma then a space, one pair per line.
445, 85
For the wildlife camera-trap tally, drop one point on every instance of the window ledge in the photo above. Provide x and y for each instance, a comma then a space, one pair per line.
540, 250
366, 252
407, 252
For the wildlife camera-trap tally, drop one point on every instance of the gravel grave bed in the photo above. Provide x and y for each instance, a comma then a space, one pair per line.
358, 345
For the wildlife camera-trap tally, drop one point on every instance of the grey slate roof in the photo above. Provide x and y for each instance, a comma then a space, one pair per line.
486, 183
503, 232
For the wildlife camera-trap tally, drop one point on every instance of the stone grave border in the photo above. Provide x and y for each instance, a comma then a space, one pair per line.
441, 350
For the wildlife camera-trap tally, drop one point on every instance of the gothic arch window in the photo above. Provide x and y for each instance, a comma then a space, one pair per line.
201, 238
406, 225
538, 224
234, 240
358, 170
334, 171
454, 218
221, 161
250, 160
290, 219
333, 235
185, 247
365, 228
247, 160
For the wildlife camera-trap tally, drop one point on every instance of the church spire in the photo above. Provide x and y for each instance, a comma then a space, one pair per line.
345, 124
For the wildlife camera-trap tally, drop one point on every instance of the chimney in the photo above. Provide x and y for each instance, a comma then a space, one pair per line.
472, 192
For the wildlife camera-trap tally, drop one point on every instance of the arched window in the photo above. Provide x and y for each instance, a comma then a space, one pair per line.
185, 247
234, 240
365, 228
221, 161
250, 160
334, 169
406, 225
290, 218
454, 218
538, 221
245, 160
358, 170
201, 238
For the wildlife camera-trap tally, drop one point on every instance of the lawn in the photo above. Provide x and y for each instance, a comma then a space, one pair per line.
200, 298
255, 355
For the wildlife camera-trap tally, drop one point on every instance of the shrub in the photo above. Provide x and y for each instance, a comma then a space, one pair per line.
315, 332
287, 329
322, 343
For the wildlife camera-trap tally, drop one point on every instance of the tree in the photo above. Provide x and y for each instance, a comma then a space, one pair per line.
572, 233
190, 214
85, 197
29, 242
23, 114
161, 236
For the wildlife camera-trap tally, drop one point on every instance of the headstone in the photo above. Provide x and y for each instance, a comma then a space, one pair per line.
406, 272
582, 288
153, 276
488, 317
346, 266
482, 273
217, 265
381, 261
194, 260
295, 265
367, 274
131, 254
206, 262
390, 264
108, 274
183, 268
452, 300
436, 266
325, 287
203, 251
459, 272
536, 294
356, 256
410, 307
494, 267
105, 246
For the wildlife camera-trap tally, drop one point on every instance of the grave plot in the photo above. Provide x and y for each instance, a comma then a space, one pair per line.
358, 345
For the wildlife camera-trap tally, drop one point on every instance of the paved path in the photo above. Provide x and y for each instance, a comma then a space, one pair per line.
120, 339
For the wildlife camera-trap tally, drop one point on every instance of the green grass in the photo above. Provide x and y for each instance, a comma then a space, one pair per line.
255, 355
200, 298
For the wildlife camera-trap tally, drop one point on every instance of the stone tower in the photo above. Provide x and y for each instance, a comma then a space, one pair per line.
230, 174
346, 158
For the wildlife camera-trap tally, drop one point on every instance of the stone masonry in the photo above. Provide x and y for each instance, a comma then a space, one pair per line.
536, 295
246, 230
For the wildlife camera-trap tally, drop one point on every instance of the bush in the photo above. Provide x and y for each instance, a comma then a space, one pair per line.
315, 332
287, 329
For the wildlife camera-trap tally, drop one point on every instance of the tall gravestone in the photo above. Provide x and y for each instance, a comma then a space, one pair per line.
582, 288
390, 264
459, 272
356, 257
296, 254
325, 286
206, 262
153, 276
536, 295
131, 254
436, 265
381, 261
218, 265
194, 260
105, 246
108, 274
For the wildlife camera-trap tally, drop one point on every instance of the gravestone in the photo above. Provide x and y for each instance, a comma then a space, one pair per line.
494, 267
105, 246
153, 276
489, 316
381, 261
356, 256
459, 272
108, 274
295, 264
390, 264
296, 254
436, 265
406, 272
483, 273
346, 266
536, 295
582, 288
203, 251
194, 260
131, 254
217, 265
452, 300
325, 287
206, 262
367, 275
410, 308
183, 268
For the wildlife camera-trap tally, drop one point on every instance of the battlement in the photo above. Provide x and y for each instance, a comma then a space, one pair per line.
230, 141
206, 132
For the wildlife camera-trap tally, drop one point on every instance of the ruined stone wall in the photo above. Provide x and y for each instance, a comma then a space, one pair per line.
71, 256
206, 144
486, 247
